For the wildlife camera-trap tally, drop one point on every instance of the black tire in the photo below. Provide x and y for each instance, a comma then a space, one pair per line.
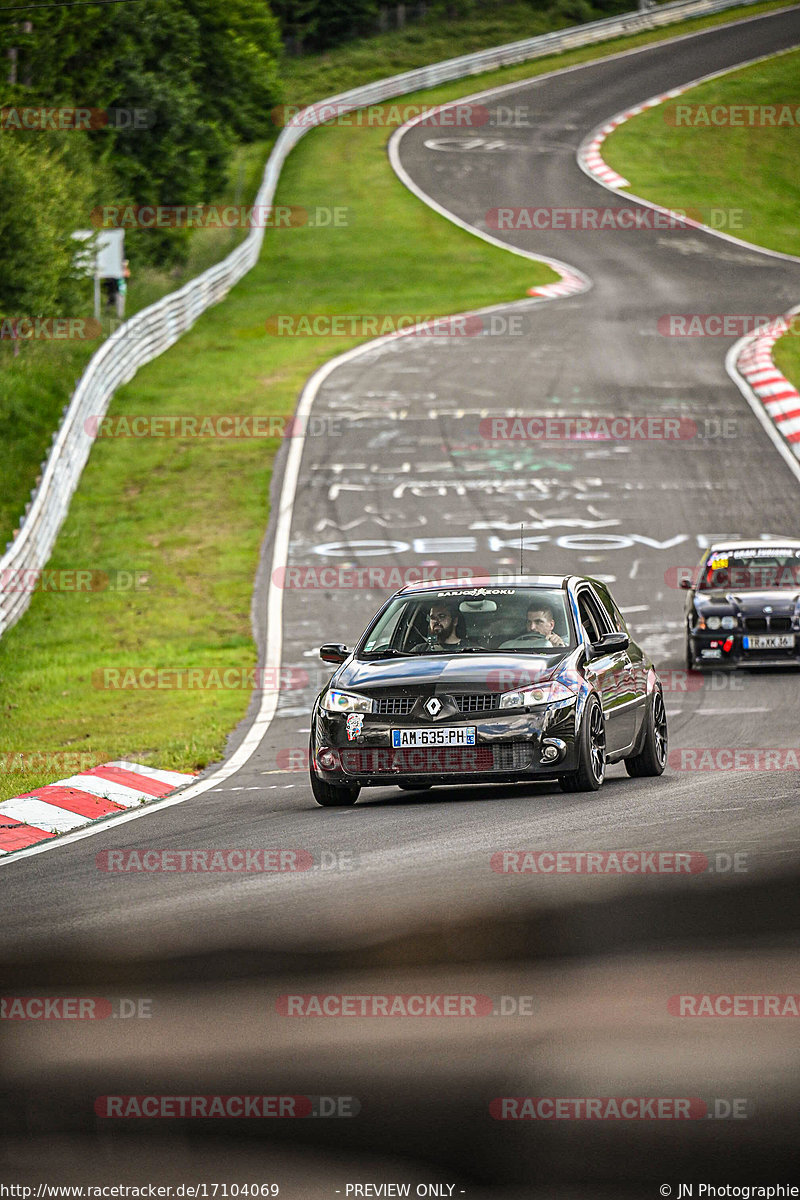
415, 787
652, 758
689, 655
331, 795
591, 752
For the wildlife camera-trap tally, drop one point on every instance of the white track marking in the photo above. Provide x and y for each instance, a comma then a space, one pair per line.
176, 778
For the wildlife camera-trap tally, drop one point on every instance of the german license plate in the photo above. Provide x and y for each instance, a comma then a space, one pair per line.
445, 735
774, 641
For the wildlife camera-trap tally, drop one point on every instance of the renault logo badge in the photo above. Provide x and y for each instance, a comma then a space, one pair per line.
433, 706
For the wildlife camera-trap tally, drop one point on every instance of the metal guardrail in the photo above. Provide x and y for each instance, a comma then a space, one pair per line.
154, 329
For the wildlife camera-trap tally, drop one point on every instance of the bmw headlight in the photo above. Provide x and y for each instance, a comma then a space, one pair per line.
345, 702
729, 622
530, 697
713, 622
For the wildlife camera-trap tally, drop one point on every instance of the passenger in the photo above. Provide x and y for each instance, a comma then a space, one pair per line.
447, 629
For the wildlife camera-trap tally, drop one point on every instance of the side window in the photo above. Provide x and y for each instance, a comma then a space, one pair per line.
612, 612
593, 619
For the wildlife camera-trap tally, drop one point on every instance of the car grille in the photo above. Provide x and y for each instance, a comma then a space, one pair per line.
433, 760
395, 706
780, 624
477, 701
771, 624
465, 702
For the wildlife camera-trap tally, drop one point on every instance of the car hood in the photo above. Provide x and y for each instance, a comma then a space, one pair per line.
483, 672
782, 600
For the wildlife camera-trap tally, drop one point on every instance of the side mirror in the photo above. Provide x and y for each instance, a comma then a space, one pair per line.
334, 652
608, 643
686, 584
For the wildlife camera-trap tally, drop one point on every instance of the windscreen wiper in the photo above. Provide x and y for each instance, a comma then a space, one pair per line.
389, 652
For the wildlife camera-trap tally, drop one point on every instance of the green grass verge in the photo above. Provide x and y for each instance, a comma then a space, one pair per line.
723, 167
188, 516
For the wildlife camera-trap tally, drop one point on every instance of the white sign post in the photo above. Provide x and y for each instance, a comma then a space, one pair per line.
107, 261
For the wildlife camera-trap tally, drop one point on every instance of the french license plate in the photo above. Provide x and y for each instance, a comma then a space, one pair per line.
445, 735
774, 641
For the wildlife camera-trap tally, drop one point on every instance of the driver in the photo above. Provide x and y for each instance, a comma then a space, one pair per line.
539, 619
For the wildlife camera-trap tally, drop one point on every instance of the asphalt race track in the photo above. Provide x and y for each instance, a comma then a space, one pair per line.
402, 896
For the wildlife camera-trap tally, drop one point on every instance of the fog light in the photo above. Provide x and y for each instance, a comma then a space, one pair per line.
327, 760
552, 750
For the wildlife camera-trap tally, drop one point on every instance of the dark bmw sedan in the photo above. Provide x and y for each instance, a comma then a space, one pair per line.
497, 681
743, 605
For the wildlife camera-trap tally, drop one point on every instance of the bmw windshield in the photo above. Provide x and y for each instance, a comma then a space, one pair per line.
464, 621
752, 570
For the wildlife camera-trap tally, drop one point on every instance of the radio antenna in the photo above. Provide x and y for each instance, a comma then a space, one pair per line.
521, 567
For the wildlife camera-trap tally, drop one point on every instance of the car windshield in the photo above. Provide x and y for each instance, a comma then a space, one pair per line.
752, 570
515, 620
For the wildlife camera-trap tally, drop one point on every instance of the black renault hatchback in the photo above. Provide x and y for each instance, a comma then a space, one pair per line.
492, 681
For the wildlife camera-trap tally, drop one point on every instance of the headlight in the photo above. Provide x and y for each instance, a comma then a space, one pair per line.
529, 697
713, 622
345, 702
729, 622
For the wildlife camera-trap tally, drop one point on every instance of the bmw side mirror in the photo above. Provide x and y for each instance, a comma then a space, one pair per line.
335, 652
686, 584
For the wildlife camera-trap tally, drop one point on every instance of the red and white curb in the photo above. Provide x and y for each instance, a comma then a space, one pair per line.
570, 284
780, 398
592, 163
589, 156
80, 799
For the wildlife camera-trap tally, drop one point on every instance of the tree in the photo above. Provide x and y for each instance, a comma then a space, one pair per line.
46, 191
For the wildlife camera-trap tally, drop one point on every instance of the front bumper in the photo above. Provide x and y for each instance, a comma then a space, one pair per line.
723, 649
508, 747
